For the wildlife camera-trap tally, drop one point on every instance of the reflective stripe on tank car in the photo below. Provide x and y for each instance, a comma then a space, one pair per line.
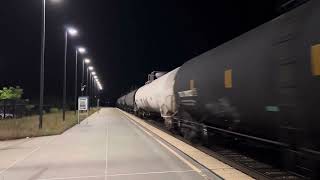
272, 108
188, 102
205, 131
189, 93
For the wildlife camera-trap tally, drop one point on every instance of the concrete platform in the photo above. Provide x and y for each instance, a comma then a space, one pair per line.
219, 168
107, 145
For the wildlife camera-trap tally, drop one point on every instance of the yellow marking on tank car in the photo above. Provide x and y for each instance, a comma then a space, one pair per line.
228, 78
192, 85
315, 60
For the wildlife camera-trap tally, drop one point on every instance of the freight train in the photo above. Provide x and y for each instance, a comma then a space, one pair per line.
263, 86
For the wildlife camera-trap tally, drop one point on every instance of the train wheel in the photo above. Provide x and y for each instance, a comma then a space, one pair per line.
190, 134
168, 123
204, 136
188, 131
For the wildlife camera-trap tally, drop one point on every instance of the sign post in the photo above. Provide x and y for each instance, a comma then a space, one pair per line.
83, 105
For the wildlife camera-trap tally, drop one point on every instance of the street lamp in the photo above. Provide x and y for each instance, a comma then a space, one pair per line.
72, 32
100, 86
42, 61
85, 61
93, 85
90, 68
80, 50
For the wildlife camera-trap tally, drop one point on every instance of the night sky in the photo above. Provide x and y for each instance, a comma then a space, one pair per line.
126, 39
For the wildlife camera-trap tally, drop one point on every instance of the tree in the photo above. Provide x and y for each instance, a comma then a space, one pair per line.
11, 93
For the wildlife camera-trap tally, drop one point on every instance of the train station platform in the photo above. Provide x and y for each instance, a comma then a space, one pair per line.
111, 145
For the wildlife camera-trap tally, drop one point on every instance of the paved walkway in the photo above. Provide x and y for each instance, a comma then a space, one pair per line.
105, 146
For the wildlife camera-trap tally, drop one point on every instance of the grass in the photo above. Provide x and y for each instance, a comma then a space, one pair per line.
28, 126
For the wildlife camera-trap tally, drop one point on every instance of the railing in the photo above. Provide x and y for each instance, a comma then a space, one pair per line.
16, 109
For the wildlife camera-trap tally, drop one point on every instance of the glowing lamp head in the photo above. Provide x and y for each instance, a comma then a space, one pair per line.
72, 31
55, 1
87, 61
91, 68
81, 50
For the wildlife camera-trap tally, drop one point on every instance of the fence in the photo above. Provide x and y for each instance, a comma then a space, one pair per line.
15, 109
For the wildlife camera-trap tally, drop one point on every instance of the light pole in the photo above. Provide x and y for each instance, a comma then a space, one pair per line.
96, 86
99, 88
43, 46
83, 86
81, 51
42, 61
72, 32
99, 84
90, 68
92, 86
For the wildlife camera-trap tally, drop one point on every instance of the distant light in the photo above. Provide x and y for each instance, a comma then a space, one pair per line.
87, 61
56, 1
72, 31
91, 68
93, 73
82, 50
95, 77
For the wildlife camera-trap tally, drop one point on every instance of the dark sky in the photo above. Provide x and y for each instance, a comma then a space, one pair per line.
126, 39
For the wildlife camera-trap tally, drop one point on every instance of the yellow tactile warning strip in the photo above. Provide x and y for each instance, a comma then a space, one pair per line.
221, 169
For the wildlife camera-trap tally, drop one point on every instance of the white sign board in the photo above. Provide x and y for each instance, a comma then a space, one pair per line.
83, 103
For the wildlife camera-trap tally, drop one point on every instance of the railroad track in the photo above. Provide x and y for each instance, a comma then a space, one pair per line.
238, 160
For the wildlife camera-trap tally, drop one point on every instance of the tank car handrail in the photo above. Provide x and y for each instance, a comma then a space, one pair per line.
241, 135
290, 4
312, 152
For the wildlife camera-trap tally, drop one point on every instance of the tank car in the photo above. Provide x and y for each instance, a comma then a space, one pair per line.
121, 102
262, 85
129, 101
158, 97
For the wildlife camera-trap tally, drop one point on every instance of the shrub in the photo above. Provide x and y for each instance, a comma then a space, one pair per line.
30, 107
11, 93
54, 110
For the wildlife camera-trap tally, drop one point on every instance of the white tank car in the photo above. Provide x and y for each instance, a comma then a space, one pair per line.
158, 96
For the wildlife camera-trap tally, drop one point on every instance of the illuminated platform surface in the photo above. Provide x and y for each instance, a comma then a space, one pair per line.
108, 145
